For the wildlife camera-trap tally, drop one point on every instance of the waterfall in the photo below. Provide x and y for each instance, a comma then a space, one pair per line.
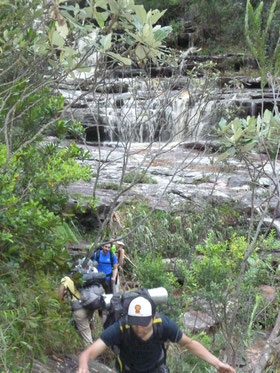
142, 109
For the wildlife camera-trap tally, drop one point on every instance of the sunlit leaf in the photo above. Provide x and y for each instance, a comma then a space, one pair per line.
85, 69
225, 155
222, 123
147, 31
57, 39
162, 33
267, 116
62, 29
140, 52
236, 136
248, 147
156, 15
123, 60
114, 6
106, 42
101, 18
141, 14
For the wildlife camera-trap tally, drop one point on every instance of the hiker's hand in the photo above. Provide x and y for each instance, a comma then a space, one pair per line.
224, 368
113, 279
83, 369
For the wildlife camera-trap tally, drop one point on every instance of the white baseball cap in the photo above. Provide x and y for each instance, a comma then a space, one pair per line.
139, 312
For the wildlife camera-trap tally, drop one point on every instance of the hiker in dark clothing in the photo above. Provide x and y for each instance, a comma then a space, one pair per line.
141, 344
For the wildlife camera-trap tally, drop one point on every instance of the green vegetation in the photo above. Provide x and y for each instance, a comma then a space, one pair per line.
216, 26
34, 234
138, 177
112, 186
176, 234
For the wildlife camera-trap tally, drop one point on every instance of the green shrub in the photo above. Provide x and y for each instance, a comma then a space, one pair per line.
34, 232
175, 234
138, 177
152, 272
112, 186
33, 322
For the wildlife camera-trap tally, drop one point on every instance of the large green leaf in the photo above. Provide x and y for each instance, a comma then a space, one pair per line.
162, 33
123, 60
155, 15
236, 124
267, 116
140, 52
222, 123
106, 42
147, 31
62, 29
114, 6
101, 17
230, 152
236, 136
103, 4
141, 14
57, 39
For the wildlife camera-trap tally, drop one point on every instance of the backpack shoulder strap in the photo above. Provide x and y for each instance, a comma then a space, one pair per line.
157, 327
97, 254
112, 258
158, 330
72, 294
125, 330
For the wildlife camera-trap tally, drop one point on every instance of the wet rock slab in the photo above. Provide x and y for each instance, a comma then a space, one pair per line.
66, 364
180, 174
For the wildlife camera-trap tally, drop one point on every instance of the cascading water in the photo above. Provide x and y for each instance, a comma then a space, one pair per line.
148, 113
142, 109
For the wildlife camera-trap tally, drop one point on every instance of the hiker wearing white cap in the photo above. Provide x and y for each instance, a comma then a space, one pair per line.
119, 251
140, 339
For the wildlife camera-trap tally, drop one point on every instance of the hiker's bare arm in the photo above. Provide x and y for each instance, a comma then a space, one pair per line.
121, 257
115, 272
200, 351
61, 292
90, 353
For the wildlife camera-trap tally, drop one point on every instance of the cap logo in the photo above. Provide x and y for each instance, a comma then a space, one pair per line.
137, 308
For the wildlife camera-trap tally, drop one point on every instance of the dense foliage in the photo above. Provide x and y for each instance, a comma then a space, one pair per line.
216, 26
34, 235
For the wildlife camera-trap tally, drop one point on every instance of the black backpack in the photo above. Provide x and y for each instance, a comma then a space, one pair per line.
119, 303
91, 297
91, 289
90, 278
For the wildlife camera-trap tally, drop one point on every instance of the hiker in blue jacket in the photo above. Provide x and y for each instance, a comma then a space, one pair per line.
141, 345
107, 263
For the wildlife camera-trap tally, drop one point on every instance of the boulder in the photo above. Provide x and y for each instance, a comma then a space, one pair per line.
198, 321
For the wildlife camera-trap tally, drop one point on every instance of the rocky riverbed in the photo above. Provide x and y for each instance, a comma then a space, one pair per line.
177, 173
